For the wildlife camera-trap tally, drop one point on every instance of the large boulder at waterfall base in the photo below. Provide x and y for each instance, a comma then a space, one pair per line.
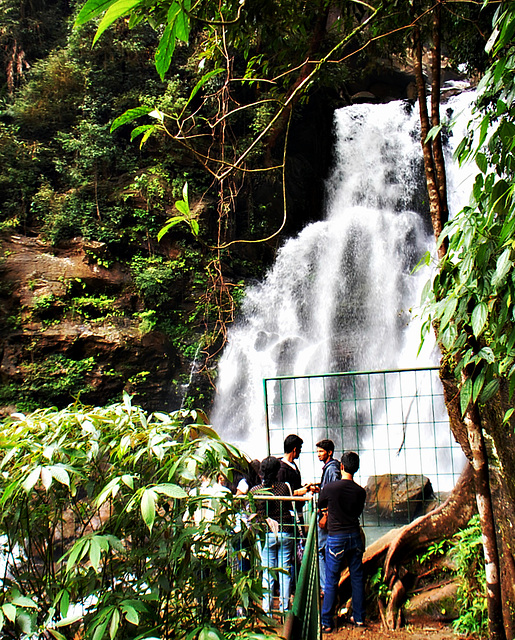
398, 498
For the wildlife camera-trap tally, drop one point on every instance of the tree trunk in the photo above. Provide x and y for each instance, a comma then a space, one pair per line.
439, 161
436, 185
484, 506
437, 211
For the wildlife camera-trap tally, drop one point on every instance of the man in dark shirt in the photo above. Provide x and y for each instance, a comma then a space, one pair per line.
289, 472
344, 500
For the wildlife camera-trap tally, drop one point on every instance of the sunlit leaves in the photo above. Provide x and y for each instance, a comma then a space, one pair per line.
116, 10
118, 526
129, 116
92, 9
478, 318
187, 216
478, 331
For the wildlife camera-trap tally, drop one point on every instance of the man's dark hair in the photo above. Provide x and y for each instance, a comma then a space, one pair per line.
350, 462
292, 441
326, 445
269, 469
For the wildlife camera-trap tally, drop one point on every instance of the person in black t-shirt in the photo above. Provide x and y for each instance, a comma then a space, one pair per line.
289, 472
345, 501
277, 550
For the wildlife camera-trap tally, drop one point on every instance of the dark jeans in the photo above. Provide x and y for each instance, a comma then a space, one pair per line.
348, 546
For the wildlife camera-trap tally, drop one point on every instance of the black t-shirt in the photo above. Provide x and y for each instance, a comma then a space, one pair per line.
290, 474
345, 500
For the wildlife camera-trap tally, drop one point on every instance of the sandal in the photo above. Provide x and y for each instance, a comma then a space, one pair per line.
326, 630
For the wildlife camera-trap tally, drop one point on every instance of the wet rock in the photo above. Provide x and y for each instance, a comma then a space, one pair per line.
436, 604
39, 323
398, 498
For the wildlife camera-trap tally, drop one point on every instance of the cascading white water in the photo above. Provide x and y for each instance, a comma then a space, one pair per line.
341, 293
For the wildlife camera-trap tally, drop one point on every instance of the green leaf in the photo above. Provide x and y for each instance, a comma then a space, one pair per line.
115, 11
171, 490
142, 129
23, 601
478, 385
433, 132
449, 307
57, 634
508, 415
148, 507
165, 49
489, 391
465, 395
60, 474
478, 319
46, 477
194, 227
115, 623
147, 135
64, 602
95, 552
10, 611
129, 116
175, 220
100, 630
32, 478
131, 615
209, 633
91, 9
182, 26
183, 208
110, 490
128, 480
504, 264
77, 552
65, 622
482, 162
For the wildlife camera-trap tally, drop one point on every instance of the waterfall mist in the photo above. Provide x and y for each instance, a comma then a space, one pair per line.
341, 295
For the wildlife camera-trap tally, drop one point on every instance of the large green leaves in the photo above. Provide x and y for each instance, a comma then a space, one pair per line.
176, 22
472, 297
110, 494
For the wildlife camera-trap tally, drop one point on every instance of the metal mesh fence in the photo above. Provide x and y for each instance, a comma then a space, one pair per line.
396, 420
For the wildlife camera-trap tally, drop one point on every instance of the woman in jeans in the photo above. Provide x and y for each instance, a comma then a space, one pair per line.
277, 551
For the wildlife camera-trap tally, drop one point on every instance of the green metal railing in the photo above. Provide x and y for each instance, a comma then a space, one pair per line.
303, 620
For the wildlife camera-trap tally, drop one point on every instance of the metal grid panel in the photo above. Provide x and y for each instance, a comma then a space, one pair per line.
396, 420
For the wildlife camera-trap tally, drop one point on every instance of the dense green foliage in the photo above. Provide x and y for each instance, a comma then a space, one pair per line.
99, 513
472, 295
467, 554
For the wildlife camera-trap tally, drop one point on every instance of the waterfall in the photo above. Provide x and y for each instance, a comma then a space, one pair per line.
341, 295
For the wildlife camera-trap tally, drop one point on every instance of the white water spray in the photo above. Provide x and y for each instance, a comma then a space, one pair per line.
340, 295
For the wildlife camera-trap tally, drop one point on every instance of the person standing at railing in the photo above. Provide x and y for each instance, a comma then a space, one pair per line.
289, 472
330, 473
277, 551
345, 500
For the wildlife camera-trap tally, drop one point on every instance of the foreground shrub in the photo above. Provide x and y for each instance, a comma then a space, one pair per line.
468, 556
99, 517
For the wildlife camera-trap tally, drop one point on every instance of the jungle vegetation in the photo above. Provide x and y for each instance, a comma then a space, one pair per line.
207, 123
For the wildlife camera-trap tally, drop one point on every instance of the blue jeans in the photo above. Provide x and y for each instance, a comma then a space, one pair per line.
277, 552
342, 546
322, 542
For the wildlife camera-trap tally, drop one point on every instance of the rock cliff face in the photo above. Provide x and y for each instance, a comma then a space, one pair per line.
70, 327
